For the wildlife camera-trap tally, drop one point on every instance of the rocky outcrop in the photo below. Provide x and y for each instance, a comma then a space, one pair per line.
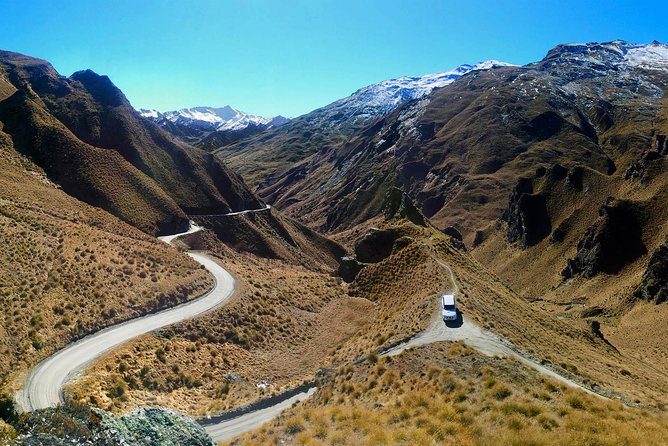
456, 237
612, 242
526, 215
660, 144
399, 205
645, 168
376, 246
654, 283
349, 267
154, 426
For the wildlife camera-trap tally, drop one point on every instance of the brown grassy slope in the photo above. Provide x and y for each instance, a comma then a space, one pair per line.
287, 322
97, 176
448, 394
289, 314
68, 269
6, 87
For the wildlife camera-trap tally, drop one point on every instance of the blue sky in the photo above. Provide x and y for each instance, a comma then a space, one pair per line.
289, 57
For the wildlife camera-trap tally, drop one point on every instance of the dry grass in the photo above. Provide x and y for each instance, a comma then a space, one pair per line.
68, 269
448, 394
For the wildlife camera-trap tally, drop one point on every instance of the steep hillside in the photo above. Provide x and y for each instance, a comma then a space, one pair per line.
98, 114
268, 234
68, 269
275, 150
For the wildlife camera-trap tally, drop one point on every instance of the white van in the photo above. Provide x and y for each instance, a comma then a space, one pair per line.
448, 307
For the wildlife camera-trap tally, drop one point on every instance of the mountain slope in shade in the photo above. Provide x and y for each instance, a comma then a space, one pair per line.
97, 114
259, 156
100, 177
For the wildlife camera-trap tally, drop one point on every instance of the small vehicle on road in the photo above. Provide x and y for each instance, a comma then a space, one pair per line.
448, 308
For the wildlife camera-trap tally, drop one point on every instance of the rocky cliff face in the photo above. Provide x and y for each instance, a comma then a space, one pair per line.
527, 217
612, 242
654, 284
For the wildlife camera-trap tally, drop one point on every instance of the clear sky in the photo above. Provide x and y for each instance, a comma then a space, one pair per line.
291, 56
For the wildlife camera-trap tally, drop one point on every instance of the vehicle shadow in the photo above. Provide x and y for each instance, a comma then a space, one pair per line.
457, 322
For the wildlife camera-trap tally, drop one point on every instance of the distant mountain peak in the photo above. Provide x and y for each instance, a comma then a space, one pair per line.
206, 118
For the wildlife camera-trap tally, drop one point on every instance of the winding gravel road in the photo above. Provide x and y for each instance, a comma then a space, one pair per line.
247, 211
44, 385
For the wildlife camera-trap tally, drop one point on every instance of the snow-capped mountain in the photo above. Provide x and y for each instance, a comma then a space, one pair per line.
213, 119
380, 98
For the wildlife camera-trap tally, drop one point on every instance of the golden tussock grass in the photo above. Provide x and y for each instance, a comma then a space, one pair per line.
448, 394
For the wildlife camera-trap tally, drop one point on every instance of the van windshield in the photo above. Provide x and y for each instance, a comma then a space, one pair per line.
449, 307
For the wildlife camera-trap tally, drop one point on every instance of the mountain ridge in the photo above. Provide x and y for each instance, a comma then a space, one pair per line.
259, 156
213, 118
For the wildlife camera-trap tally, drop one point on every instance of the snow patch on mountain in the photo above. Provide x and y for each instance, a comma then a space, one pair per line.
652, 56
150, 113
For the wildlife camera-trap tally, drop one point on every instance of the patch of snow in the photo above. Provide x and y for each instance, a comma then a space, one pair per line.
149, 113
652, 56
